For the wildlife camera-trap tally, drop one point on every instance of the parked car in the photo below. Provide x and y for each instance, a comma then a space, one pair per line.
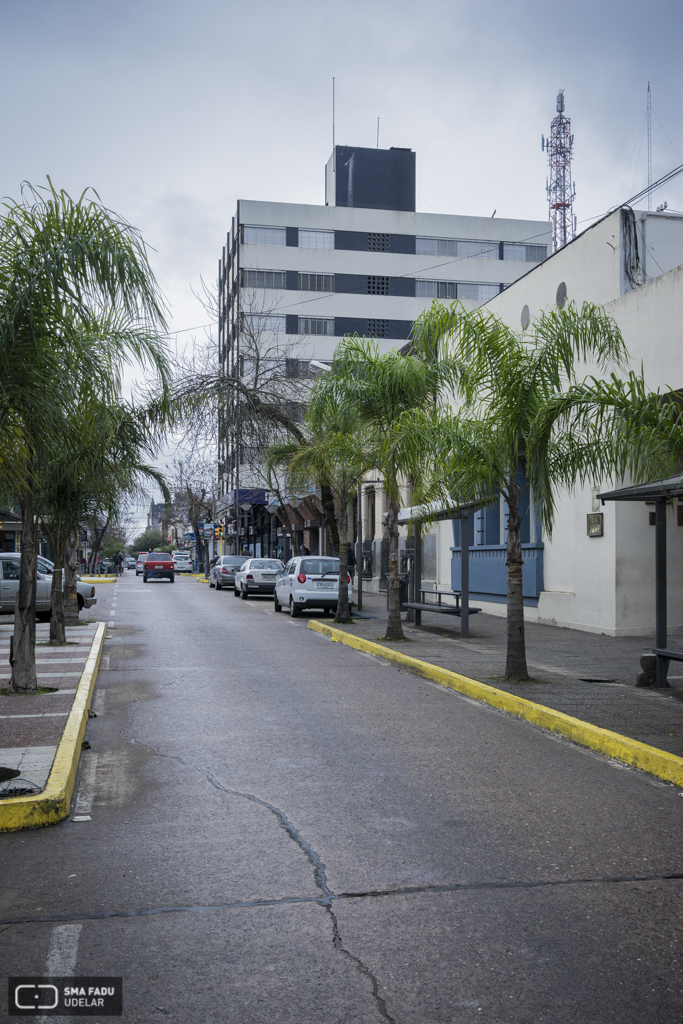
139, 565
131, 562
257, 576
182, 561
9, 585
158, 565
223, 572
309, 581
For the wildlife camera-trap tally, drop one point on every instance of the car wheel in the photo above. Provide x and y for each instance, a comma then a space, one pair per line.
144, 577
236, 592
244, 595
81, 602
218, 586
293, 610
137, 573
172, 578
210, 583
276, 604
43, 616
326, 611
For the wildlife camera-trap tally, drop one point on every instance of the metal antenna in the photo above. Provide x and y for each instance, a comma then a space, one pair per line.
649, 147
333, 118
378, 133
560, 187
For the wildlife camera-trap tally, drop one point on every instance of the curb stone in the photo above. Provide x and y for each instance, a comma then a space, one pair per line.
661, 764
53, 803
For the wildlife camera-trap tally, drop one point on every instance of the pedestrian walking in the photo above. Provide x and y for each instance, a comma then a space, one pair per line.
350, 559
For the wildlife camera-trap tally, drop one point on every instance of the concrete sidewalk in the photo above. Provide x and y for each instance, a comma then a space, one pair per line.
586, 675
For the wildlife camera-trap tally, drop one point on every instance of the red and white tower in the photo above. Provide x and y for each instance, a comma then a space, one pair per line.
559, 185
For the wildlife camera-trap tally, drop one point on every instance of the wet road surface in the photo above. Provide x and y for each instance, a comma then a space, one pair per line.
286, 830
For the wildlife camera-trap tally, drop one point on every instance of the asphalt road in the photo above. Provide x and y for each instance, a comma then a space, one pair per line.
285, 830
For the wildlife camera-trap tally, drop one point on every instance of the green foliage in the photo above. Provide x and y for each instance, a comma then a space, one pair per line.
150, 540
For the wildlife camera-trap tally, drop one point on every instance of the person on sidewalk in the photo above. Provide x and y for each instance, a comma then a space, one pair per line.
350, 559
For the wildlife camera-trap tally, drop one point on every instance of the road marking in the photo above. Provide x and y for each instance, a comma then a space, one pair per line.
111, 623
61, 958
86, 788
40, 714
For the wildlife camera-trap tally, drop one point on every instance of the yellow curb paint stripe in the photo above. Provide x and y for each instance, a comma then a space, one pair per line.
648, 759
98, 579
53, 803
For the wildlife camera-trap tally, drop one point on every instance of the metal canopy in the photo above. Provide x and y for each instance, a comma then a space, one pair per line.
659, 493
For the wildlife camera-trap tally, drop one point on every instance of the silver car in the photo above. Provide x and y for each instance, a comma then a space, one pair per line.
222, 574
9, 587
257, 576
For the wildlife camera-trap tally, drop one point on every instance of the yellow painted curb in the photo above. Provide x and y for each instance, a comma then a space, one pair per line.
53, 803
648, 759
98, 579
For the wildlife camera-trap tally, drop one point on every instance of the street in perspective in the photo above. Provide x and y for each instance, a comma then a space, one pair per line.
341, 515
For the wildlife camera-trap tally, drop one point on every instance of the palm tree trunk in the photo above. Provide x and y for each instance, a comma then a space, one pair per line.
327, 500
343, 611
23, 650
394, 627
57, 635
70, 593
515, 663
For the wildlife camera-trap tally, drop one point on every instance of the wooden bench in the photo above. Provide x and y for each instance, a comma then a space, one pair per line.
437, 606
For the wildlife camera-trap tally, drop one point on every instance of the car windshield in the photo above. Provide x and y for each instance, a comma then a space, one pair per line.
265, 563
318, 566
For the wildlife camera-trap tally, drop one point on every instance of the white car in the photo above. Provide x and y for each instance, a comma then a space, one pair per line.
309, 581
182, 561
257, 576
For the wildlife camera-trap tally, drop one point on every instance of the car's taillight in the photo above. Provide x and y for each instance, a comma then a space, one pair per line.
348, 578
249, 576
225, 572
301, 578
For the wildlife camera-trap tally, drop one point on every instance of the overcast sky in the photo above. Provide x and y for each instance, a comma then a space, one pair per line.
173, 110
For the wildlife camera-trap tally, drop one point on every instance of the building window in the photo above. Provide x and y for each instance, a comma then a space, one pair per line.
378, 285
316, 282
527, 253
378, 328
378, 242
263, 279
457, 248
256, 323
316, 239
263, 236
455, 290
316, 325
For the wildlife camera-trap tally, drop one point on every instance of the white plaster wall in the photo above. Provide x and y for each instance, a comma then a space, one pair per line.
606, 584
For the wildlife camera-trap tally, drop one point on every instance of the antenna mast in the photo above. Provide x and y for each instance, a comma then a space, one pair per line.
559, 185
649, 147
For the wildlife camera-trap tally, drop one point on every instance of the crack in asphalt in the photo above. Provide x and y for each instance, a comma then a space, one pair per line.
285, 901
319, 871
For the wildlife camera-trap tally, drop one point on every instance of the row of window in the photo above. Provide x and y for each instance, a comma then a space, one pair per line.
256, 323
456, 248
376, 285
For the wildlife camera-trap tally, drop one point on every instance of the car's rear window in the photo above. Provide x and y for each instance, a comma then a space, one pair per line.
233, 561
314, 566
159, 556
265, 563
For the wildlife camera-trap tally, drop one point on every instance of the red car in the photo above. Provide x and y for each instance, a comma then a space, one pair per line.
158, 565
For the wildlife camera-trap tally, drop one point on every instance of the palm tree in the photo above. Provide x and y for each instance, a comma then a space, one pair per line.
512, 432
397, 399
78, 301
335, 454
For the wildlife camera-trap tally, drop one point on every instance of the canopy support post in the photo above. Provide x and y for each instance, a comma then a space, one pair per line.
465, 575
662, 664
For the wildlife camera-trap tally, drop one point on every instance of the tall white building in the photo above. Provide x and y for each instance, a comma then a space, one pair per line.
364, 263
